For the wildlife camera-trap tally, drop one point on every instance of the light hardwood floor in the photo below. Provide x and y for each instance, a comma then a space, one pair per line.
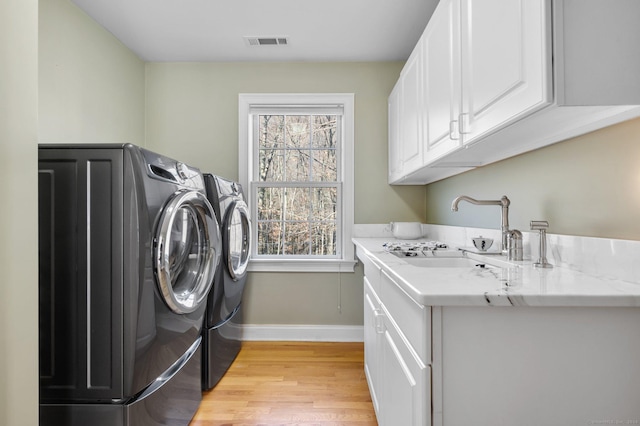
291, 383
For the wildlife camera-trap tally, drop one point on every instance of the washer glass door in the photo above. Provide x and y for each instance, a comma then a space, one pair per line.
187, 251
237, 239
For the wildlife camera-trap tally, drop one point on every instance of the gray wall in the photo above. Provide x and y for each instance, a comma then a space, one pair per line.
588, 186
62, 79
192, 114
91, 87
18, 215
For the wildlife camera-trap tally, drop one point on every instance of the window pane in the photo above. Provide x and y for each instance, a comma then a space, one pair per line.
271, 131
324, 131
297, 165
323, 204
271, 165
323, 231
270, 238
323, 239
270, 203
298, 135
298, 204
325, 166
296, 237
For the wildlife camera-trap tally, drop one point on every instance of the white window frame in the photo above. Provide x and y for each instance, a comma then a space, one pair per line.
345, 260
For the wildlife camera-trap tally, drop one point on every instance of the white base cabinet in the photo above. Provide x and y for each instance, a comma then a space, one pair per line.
372, 341
405, 382
399, 379
486, 366
537, 366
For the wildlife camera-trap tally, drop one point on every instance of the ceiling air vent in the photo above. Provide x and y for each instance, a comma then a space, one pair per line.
266, 41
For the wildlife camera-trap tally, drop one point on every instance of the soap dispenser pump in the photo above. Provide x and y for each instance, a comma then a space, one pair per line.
541, 226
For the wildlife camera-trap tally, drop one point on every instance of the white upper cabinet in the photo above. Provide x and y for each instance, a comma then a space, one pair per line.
505, 72
497, 78
405, 119
395, 162
411, 111
598, 45
441, 92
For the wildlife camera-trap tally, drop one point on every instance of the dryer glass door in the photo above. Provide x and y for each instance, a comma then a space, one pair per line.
237, 239
187, 251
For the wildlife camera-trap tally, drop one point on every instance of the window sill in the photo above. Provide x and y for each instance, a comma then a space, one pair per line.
301, 265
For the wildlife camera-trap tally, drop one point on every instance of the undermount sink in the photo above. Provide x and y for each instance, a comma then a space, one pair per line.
443, 257
446, 262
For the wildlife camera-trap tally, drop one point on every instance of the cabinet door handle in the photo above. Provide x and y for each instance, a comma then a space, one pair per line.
379, 321
453, 133
464, 123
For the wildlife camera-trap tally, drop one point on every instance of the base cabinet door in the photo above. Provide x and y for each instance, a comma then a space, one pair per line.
396, 362
405, 383
372, 341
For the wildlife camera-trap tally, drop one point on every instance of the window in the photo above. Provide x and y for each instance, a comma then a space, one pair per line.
296, 165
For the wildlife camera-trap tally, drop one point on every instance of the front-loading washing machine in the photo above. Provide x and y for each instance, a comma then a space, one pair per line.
128, 247
222, 332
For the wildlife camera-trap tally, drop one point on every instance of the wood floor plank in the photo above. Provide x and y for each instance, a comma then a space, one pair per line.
291, 383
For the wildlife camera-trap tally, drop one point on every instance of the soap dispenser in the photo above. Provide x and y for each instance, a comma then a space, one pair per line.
541, 226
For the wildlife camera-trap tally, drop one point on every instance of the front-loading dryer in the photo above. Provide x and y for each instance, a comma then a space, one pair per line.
128, 247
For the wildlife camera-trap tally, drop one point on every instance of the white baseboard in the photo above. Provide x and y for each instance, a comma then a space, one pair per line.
303, 333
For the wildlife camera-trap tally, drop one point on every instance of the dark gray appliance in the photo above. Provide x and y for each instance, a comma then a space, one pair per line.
221, 333
128, 247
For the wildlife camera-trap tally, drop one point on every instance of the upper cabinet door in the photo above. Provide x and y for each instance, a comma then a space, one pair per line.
506, 67
411, 111
442, 81
395, 162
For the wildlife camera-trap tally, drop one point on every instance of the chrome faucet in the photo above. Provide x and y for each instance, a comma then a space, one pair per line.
504, 218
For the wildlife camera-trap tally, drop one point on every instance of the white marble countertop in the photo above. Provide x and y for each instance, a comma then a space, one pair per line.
509, 284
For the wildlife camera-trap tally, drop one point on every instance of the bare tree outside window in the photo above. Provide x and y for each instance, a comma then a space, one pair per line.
297, 196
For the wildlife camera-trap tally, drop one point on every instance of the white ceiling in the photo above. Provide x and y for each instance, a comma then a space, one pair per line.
214, 30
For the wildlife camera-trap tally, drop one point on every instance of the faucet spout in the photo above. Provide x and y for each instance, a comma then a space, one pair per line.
503, 202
